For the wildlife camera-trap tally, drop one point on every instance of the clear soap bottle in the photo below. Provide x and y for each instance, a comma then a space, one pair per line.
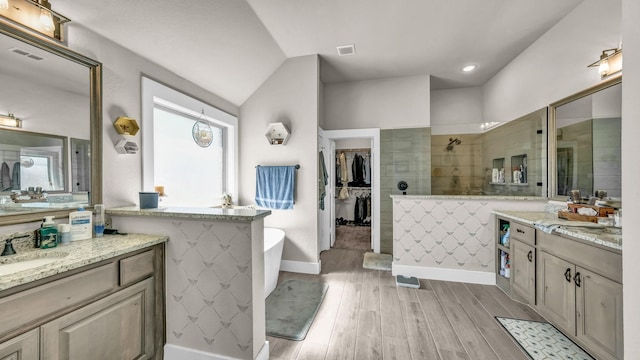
98, 222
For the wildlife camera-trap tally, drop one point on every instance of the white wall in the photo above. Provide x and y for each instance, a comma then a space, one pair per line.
290, 96
456, 111
555, 66
631, 174
121, 82
386, 104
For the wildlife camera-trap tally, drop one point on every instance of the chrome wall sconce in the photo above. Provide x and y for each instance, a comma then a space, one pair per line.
610, 62
10, 120
36, 15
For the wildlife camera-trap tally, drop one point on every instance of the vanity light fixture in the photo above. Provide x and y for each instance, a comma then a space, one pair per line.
610, 62
34, 14
10, 121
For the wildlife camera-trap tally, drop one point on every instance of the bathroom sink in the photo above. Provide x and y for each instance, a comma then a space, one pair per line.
21, 263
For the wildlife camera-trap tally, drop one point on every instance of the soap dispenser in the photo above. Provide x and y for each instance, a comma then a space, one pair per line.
48, 233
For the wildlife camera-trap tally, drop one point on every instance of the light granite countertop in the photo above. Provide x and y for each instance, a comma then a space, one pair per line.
467, 197
609, 237
72, 256
194, 213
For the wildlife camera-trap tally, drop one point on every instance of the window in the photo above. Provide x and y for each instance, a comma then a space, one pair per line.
192, 175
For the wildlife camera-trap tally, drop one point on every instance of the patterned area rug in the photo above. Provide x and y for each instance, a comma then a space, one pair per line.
292, 306
542, 340
375, 261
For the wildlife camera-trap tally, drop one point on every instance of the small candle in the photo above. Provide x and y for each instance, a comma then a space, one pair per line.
159, 189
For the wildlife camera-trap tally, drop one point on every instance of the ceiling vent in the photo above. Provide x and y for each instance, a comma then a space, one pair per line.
345, 50
21, 52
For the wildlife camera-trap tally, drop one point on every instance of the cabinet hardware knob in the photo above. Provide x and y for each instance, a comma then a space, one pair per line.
520, 231
530, 256
577, 279
567, 274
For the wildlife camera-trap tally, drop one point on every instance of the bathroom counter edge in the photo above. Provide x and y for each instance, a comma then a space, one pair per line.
467, 197
195, 213
80, 253
530, 217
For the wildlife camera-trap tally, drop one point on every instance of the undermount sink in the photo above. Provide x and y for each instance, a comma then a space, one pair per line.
21, 263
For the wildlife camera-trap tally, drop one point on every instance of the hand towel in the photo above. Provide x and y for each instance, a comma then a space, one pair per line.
322, 180
275, 186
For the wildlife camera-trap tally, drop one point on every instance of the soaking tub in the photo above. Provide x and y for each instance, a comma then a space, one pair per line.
273, 244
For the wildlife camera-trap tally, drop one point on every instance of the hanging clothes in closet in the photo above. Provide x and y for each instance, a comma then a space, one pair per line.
362, 209
360, 168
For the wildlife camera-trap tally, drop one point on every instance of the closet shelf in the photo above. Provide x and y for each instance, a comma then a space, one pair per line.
355, 187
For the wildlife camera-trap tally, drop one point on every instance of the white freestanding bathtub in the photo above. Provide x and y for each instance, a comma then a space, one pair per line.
273, 244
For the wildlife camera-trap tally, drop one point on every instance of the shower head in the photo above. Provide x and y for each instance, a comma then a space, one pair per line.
452, 143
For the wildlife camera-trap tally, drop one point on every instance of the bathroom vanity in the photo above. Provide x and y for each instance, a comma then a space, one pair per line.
572, 277
99, 296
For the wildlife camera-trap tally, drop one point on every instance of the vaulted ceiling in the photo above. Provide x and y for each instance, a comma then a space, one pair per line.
230, 47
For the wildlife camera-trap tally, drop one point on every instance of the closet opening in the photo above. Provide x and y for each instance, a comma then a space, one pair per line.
352, 181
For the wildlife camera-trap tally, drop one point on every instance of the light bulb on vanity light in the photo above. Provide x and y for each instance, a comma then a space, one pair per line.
603, 68
4, 4
46, 17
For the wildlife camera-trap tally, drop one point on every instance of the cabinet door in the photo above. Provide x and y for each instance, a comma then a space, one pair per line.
599, 314
523, 283
556, 292
119, 326
22, 347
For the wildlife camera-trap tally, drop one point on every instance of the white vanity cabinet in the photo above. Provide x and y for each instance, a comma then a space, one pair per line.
110, 310
579, 290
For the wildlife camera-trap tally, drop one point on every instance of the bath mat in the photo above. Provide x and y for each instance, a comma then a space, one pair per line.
292, 306
375, 261
541, 340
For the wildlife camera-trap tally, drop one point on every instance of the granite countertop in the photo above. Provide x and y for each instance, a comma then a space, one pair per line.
73, 255
467, 197
195, 213
606, 236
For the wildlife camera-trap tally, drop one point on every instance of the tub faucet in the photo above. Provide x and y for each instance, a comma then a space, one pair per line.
8, 246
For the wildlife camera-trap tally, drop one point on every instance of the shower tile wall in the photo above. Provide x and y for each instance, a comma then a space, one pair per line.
405, 155
607, 150
578, 137
458, 169
518, 137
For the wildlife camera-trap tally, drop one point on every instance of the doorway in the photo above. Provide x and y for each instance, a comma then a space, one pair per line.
360, 206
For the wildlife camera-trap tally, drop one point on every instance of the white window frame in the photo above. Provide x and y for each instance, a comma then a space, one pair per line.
154, 92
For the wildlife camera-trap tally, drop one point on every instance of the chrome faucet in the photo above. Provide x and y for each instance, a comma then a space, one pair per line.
8, 246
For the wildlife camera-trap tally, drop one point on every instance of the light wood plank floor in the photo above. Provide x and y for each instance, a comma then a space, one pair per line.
366, 316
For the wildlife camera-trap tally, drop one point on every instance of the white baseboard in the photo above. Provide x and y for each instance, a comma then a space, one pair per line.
467, 276
175, 352
300, 267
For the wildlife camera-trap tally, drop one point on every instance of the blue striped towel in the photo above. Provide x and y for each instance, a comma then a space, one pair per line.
275, 187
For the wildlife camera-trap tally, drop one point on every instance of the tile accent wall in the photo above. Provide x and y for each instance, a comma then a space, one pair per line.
405, 154
208, 283
449, 233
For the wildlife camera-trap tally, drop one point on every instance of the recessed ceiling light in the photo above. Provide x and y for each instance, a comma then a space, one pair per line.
469, 68
344, 50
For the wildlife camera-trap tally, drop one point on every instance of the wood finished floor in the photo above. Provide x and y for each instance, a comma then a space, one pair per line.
366, 316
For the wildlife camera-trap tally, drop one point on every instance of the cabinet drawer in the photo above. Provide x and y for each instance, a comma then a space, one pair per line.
523, 233
135, 268
31, 305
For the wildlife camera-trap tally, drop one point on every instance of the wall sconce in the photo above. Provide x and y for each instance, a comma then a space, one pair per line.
610, 62
36, 15
10, 120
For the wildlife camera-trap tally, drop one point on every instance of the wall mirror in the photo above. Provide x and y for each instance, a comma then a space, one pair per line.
585, 145
57, 95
